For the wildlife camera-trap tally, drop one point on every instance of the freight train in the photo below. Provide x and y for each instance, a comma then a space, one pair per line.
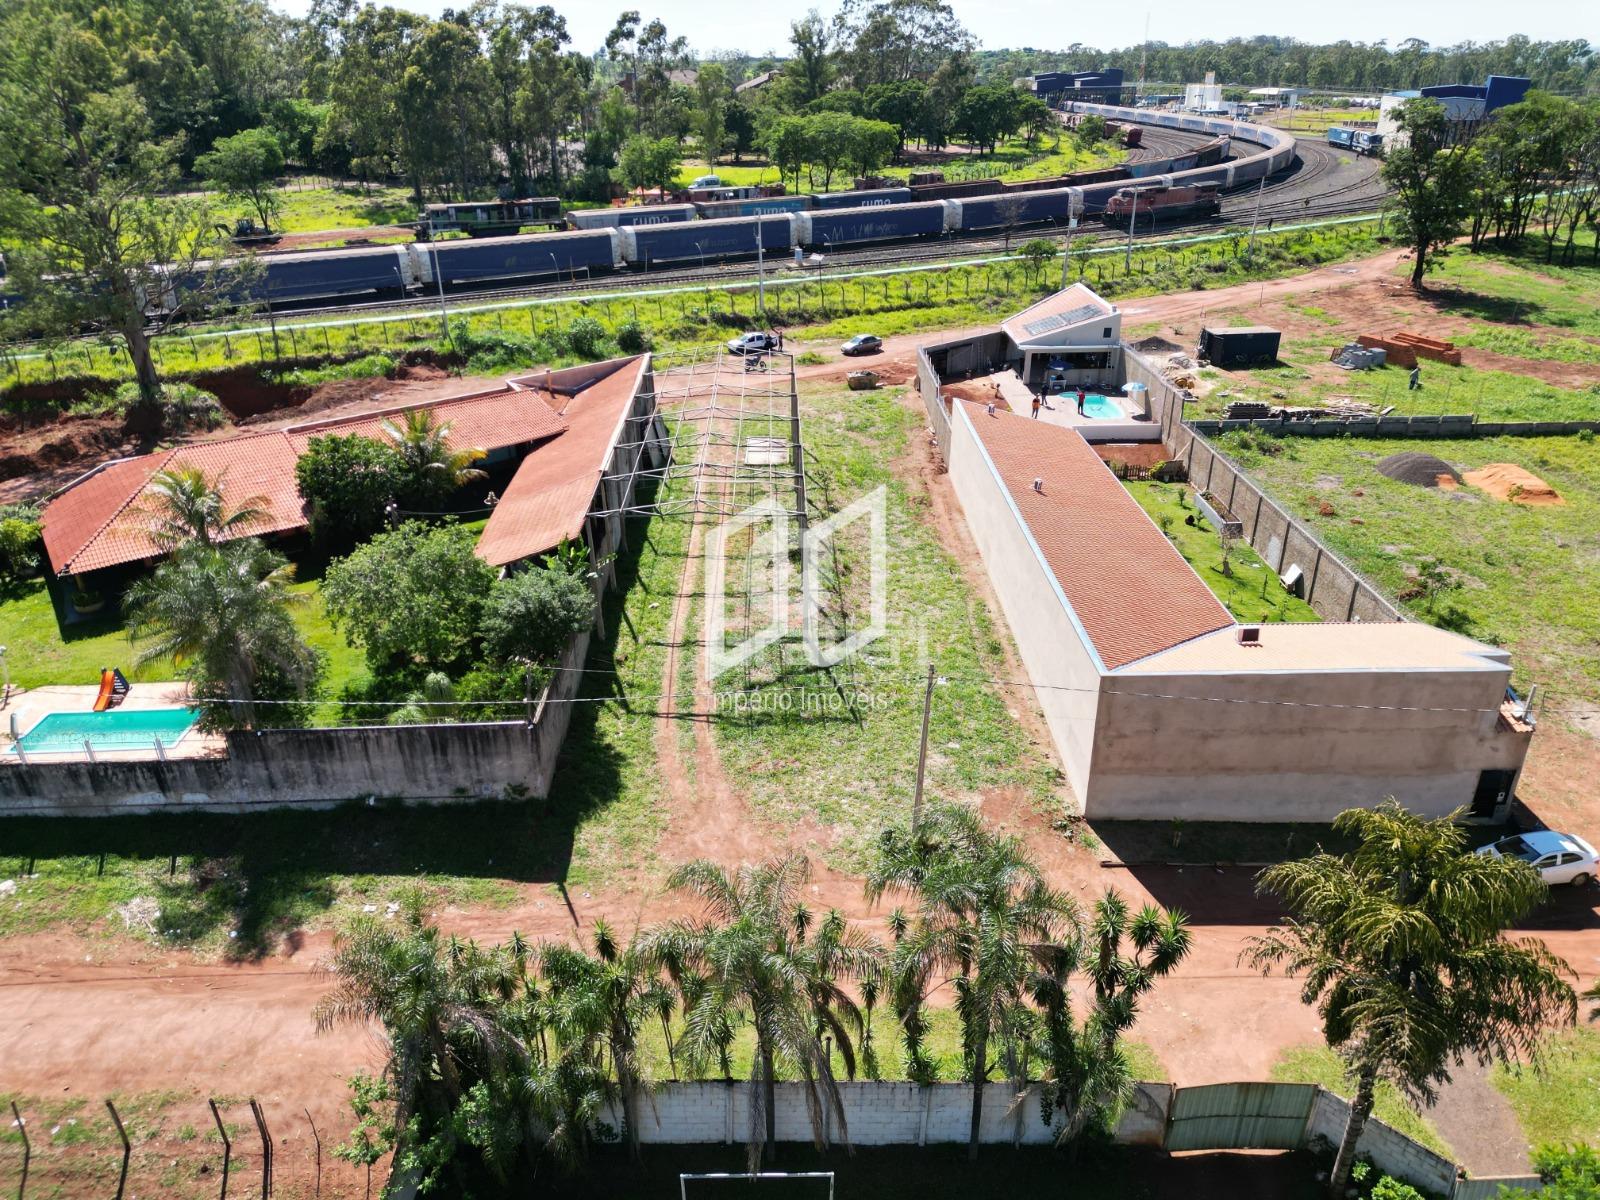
641, 238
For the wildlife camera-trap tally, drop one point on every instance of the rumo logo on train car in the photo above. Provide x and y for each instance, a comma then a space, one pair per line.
758, 538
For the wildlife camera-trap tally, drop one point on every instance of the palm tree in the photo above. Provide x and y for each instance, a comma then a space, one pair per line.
438, 1000
422, 442
986, 916
597, 1006
187, 505
1401, 946
221, 614
756, 952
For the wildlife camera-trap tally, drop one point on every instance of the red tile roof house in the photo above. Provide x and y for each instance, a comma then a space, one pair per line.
565, 430
1161, 706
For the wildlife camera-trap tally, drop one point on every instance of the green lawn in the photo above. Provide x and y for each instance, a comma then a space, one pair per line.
818, 763
1528, 575
1253, 591
1518, 287
1318, 1064
308, 210
1560, 1102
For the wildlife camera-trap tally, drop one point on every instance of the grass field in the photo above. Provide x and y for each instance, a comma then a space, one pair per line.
1318, 1064
1253, 592
1560, 1103
1527, 575
311, 209
800, 755
1516, 286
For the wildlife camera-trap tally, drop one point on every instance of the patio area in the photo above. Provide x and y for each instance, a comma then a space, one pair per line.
1127, 425
26, 708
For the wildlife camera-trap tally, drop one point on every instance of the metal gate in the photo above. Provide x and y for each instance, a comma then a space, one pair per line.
1240, 1116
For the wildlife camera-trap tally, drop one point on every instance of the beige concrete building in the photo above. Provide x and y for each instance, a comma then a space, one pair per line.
1162, 706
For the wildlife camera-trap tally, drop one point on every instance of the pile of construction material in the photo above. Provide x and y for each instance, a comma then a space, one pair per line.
1404, 349
1419, 470
1334, 408
1353, 356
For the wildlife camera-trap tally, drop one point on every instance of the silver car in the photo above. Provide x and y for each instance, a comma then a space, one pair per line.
1558, 857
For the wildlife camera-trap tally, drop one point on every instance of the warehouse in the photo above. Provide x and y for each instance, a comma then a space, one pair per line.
1467, 105
1161, 705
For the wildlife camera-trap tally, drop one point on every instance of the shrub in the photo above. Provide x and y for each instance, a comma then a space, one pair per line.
414, 595
497, 692
183, 406
348, 480
531, 615
19, 541
586, 338
368, 366
632, 338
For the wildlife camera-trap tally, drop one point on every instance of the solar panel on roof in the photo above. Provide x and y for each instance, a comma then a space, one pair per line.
1061, 320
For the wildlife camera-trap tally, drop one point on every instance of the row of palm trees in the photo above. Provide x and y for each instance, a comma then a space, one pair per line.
538, 1043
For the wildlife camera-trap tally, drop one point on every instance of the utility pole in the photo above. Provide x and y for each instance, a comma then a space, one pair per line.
444, 313
1256, 218
1133, 220
1066, 254
922, 754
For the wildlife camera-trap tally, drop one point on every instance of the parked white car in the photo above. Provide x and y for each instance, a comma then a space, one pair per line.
753, 343
1558, 857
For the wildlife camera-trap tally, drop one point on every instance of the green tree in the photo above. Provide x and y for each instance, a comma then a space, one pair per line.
1432, 183
756, 951
809, 74
900, 104
372, 1138
872, 145
246, 167
1038, 253
648, 163
713, 94
988, 115
1034, 115
885, 41
1400, 944
186, 505
986, 915
1567, 1172
786, 141
221, 614
95, 238
347, 482
19, 541
412, 597
530, 615
430, 466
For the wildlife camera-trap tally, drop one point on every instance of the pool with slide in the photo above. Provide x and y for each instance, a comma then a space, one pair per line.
118, 729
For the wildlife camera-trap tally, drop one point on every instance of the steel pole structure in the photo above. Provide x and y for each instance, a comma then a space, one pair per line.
922, 754
1133, 220
761, 275
1255, 218
438, 279
1066, 254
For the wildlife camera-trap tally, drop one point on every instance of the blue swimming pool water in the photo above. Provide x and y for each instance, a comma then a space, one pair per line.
1098, 408
118, 729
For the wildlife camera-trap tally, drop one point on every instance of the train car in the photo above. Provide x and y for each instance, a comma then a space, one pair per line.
716, 210
1057, 182
1343, 138
464, 264
364, 271
1368, 143
825, 228
1133, 136
1163, 202
952, 190
633, 214
871, 198
488, 218
1012, 209
716, 192
645, 246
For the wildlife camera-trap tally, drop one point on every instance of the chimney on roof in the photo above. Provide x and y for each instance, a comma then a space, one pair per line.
1038, 486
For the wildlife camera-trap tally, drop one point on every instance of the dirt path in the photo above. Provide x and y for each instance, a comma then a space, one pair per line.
1479, 1125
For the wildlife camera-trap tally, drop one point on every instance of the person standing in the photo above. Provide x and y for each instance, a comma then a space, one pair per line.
1082, 396
1415, 384
1036, 406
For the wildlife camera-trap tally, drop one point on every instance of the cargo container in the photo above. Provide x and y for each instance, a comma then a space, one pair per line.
291, 278
866, 199
1133, 136
825, 228
1008, 210
1341, 137
634, 214
716, 210
1246, 346
707, 241
465, 263
1368, 143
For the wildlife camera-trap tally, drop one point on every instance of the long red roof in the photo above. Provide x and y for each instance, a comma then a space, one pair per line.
1130, 589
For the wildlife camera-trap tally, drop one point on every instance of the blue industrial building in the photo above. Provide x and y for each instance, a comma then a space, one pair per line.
1099, 87
1467, 104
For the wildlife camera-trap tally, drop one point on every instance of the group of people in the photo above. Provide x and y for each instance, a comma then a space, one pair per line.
1038, 401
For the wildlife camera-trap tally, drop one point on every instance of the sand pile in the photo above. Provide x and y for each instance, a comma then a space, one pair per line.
1507, 481
1418, 469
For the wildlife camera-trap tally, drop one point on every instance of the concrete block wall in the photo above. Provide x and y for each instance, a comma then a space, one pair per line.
1394, 1153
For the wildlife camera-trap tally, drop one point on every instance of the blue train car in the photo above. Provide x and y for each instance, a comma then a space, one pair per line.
1368, 143
465, 263
288, 278
1341, 137
635, 214
1011, 209
716, 210
707, 241
823, 228
870, 198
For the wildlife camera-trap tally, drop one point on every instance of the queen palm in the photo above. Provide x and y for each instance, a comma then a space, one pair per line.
221, 615
755, 951
1400, 944
988, 924
433, 467
597, 1005
187, 505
